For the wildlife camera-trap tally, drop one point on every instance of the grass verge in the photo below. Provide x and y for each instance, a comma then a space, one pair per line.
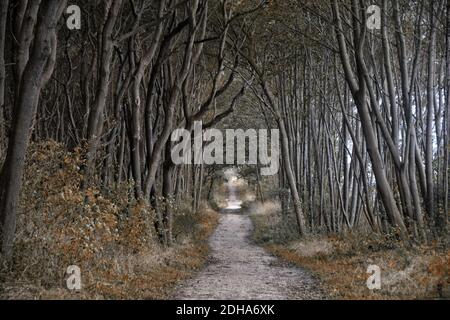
341, 261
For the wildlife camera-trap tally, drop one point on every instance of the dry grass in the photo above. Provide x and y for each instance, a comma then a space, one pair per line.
111, 239
311, 247
341, 262
271, 226
148, 275
413, 273
268, 209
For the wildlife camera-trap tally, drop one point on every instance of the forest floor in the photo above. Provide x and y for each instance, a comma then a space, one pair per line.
240, 269
419, 273
407, 271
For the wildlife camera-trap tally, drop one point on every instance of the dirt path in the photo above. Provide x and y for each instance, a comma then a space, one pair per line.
239, 269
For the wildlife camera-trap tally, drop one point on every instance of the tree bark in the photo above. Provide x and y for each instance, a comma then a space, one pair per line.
36, 73
430, 112
95, 123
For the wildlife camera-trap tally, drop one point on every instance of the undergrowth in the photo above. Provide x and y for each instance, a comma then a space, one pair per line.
340, 261
108, 236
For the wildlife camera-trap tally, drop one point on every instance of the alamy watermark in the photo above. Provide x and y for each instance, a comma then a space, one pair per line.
73, 21
374, 280
238, 147
73, 282
373, 21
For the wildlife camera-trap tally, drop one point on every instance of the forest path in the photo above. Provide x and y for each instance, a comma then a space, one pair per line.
239, 269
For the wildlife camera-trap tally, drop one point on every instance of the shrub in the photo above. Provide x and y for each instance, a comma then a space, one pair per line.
272, 226
59, 224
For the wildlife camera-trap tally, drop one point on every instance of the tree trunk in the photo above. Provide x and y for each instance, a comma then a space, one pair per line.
290, 177
430, 112
3, 18
95, 123
359, 91
447, 123
36, 73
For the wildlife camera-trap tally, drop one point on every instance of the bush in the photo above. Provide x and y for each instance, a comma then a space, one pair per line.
271, 226
108, 235
59, 224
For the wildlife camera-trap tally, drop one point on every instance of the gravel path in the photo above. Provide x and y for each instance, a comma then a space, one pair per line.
241, 270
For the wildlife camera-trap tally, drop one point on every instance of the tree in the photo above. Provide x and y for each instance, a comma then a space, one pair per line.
37, 70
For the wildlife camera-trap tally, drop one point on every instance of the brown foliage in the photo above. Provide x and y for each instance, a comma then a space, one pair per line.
109, 237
